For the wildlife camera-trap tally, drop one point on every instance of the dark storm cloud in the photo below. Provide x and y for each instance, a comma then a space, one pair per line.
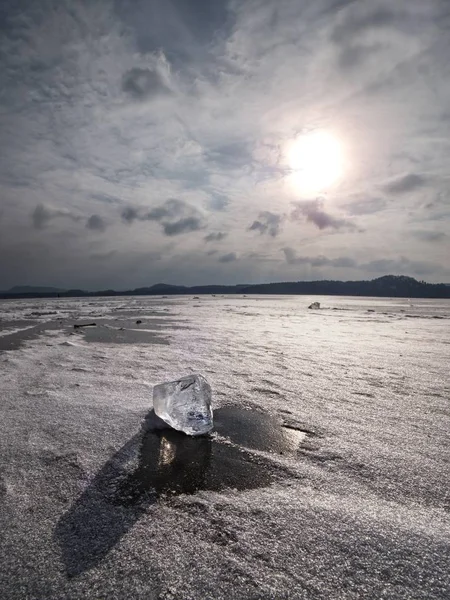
175, 216
314, 213
42, 215
141, 84
230, 257
215, 237
318, 261
267, 222
404, 184
96, 223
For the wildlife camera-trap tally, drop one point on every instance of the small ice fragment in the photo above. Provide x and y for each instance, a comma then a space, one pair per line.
314, 305
185, 404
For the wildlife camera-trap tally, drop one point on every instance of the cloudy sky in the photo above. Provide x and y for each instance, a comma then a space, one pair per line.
223, 141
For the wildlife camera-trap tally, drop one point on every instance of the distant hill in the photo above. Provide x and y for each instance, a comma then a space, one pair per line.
392, 286
31, 289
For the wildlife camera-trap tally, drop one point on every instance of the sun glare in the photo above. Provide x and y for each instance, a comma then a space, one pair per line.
316, 161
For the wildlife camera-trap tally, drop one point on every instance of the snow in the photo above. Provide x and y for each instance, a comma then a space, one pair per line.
359, 508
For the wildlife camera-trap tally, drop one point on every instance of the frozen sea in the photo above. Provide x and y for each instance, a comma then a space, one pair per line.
327, 476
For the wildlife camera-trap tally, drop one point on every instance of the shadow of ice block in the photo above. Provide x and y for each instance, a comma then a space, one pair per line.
185, 404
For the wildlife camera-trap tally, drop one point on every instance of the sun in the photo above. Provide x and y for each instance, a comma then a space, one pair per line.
315, 161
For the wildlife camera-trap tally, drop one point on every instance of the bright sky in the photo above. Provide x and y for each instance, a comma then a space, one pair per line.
223, 142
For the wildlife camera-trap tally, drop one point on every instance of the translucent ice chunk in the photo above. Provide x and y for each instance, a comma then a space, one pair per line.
185, 404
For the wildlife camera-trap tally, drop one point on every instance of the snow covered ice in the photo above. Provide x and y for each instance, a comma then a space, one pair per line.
185, 404
348, 500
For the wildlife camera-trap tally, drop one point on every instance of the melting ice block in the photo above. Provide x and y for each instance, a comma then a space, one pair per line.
185, 404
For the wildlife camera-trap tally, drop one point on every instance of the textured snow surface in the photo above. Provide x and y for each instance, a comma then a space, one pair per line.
360, 509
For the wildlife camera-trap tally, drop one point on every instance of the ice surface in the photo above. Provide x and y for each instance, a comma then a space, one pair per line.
361, 510
185, 404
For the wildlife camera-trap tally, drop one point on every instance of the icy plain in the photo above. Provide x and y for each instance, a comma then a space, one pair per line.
348, 498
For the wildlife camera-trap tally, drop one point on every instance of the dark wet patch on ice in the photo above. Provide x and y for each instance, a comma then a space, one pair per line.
17, 324
130, 331
120, 335
257, 430
14, 341
172, 463
121, 331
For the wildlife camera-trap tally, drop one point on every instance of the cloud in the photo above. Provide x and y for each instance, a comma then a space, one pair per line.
400, 266
215, 237
314, 213
142, 84
129, 214
267, 222
96, 223
351, 56
105, 198
183, 226
318, 261
429, 236
218, 202
230, 257
196, 134
232, 155
103, 255
360, 20
42, 215
404, 184
175, 216
365, 206
170, 209
355, 30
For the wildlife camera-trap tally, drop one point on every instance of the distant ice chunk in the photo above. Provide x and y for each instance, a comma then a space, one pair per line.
185, 404
314, 305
